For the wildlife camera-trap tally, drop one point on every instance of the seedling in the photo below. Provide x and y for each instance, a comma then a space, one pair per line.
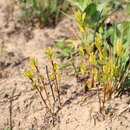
40, 81
37, 83
55, 69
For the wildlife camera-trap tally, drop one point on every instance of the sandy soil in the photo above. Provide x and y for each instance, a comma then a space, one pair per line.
21, 105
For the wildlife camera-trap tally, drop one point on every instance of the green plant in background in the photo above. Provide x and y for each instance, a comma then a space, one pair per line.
65, 51
48, 11
40, 82
103, 53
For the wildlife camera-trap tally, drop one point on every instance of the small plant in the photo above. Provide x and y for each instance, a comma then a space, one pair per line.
55, 76
103, 53
40, 82
47, 11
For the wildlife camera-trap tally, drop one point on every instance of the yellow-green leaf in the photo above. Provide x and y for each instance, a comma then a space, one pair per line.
82, 68
29, 74
33, 84
92, 59
55, 67
49, 52
81, 52
33, 62
52, 77
119, 49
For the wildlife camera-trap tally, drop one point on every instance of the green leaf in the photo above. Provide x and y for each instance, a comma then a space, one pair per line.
85, 3
93, 14
96, 17
64, 66
60, 45
59, 53
91, 9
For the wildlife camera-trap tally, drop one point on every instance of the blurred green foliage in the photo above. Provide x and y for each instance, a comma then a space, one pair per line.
47, 11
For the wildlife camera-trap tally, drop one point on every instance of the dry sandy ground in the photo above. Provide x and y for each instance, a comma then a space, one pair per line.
21, 104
